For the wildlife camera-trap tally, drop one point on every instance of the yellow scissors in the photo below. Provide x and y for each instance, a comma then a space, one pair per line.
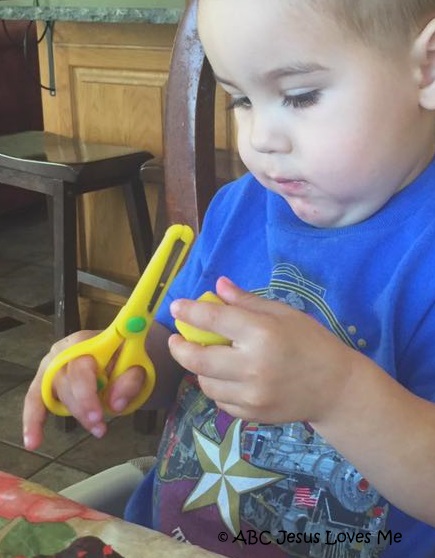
129, 329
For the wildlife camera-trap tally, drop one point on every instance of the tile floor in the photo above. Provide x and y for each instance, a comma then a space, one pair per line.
64, 458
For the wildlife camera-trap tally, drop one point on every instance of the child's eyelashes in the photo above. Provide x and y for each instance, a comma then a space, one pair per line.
302, 100
299, 101
238, 102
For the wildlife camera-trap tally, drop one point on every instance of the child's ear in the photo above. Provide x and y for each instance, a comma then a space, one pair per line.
424, 51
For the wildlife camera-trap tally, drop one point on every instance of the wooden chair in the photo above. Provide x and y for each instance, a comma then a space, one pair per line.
192, 168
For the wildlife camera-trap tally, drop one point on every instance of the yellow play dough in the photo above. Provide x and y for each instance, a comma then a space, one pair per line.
196, 335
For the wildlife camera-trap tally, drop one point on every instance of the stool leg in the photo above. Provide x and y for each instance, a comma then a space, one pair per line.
139, 219
66, 311
66, 319
66, 424
142, 234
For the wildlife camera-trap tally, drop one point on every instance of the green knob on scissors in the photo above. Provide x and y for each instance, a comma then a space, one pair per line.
101, 384
136, 324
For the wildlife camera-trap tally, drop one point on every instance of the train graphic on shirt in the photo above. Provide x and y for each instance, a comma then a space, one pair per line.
319, 495
322, 495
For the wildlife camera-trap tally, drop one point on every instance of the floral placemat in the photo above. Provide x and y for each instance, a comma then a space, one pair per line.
38, 523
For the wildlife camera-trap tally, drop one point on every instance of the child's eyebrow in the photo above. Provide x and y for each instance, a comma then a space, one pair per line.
295, 69
276, 73
223, 81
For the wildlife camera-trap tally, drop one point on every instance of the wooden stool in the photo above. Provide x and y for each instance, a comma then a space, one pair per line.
63, 168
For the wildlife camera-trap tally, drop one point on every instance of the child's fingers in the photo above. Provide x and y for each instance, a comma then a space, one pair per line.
126, 388
230, 293
239, 325
215, 367
208, 316
235, 296
76, 387
34, 416
211, 361
34, 411
241, 319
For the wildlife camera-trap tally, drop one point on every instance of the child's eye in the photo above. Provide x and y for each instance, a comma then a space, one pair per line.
303, 100
238, 102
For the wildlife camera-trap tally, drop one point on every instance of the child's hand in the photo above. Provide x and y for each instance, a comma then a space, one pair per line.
282, 366
76, 387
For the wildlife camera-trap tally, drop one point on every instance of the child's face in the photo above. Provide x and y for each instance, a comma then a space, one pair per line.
331, 125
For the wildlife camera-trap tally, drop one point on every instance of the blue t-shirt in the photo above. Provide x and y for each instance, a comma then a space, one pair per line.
247, 489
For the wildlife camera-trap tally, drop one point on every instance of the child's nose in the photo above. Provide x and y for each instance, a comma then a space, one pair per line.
269, 134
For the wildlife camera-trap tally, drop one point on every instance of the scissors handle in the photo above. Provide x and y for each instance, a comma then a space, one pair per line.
133, 355
101, 348
128, 330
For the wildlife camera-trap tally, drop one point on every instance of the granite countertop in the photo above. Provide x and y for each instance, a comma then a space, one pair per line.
155, 15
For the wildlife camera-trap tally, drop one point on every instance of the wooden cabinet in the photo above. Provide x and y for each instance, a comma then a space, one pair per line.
110, 88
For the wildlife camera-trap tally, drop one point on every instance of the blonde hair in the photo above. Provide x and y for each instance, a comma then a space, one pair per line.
380, 22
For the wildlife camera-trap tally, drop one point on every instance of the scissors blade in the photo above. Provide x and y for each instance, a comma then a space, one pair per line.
151, 288
167, 275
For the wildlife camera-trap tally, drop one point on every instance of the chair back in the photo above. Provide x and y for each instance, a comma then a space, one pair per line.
189, 159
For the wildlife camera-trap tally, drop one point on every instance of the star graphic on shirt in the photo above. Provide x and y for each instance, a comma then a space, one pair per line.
225, 476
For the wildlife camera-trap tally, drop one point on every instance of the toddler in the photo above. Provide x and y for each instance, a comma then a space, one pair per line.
313, 433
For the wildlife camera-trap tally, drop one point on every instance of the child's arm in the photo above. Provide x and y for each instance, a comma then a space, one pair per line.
76, 387
283, 366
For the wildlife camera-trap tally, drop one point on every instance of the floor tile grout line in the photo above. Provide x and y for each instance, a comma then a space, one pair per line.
61, 465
